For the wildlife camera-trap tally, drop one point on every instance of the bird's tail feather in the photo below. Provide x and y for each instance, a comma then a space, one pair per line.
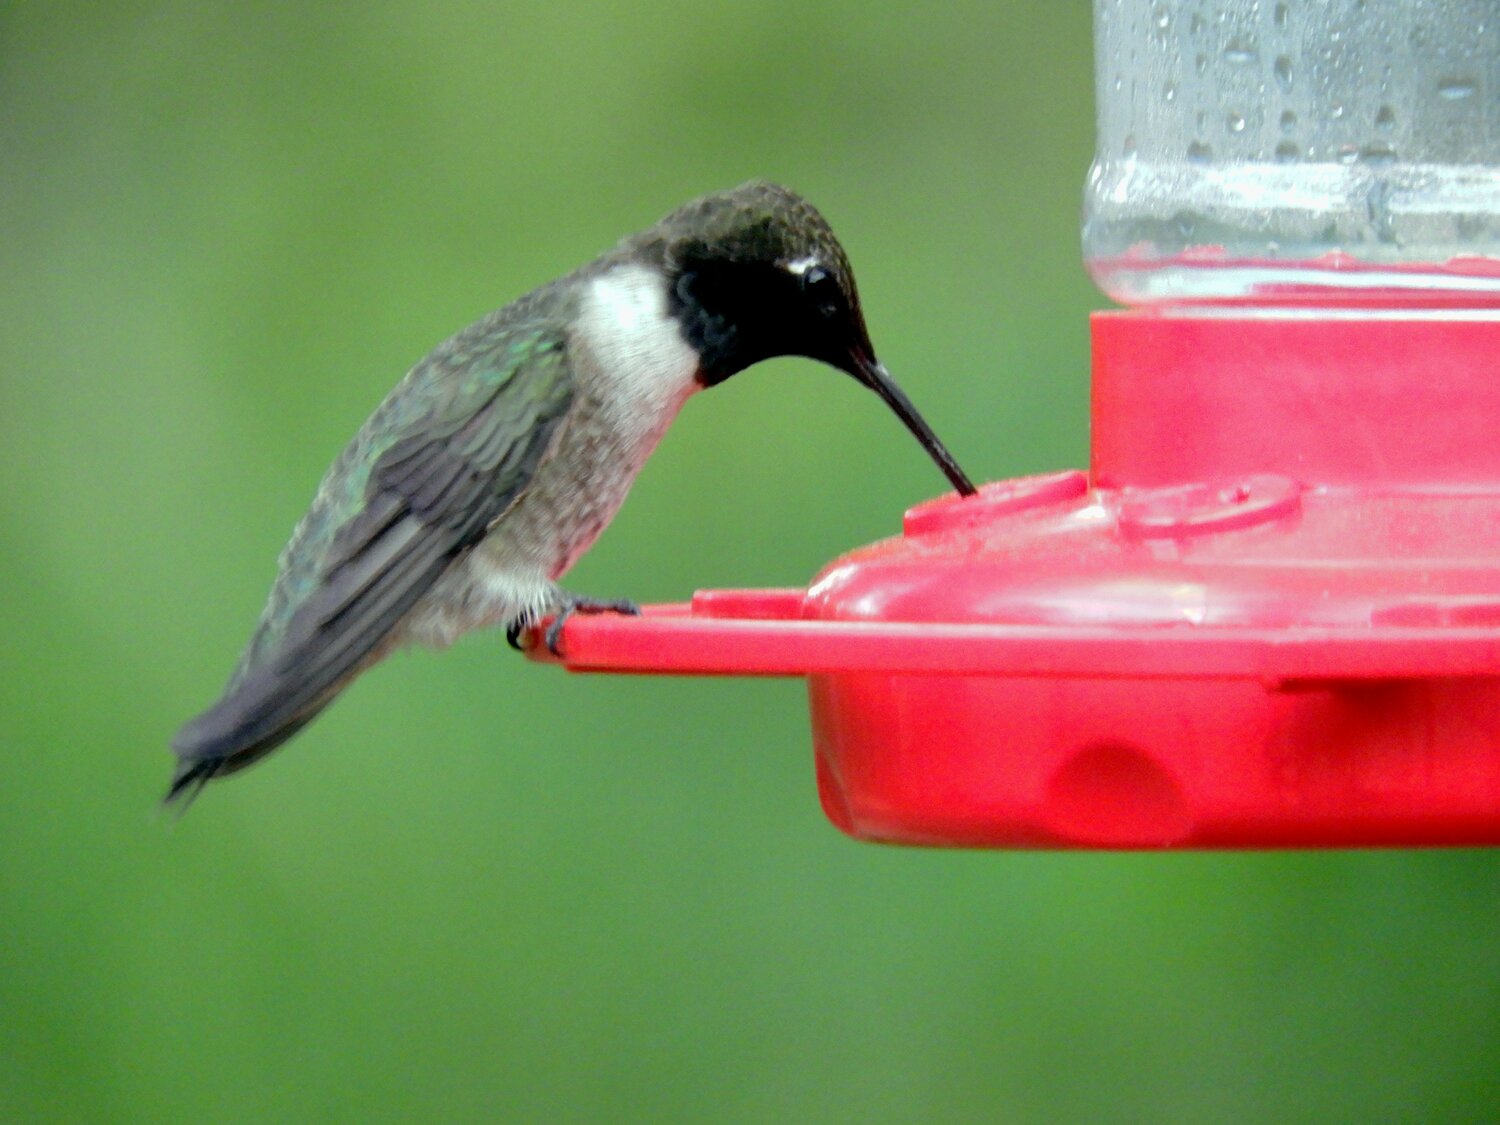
223, 741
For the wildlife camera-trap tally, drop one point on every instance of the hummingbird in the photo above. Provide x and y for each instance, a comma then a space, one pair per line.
500, 457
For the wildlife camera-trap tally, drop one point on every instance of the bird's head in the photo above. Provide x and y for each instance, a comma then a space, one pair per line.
756, 272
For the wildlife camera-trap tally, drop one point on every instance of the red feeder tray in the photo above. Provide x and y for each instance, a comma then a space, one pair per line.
1269, 618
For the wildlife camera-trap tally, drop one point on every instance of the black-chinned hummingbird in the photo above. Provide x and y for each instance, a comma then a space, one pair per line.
501, 456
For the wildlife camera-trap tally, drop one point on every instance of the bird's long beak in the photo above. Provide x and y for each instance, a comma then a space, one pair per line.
870, 371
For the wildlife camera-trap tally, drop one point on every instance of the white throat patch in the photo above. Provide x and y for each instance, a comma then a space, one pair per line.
638, 352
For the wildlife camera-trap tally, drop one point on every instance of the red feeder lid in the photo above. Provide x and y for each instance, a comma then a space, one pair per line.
1271, 619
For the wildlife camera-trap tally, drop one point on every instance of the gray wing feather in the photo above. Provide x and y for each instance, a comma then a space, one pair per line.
431, 495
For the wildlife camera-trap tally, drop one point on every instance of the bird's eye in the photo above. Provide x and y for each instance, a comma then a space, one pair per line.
822, 290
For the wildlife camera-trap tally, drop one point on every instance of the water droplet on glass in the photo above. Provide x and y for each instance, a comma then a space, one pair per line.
1471, 227
1288, 120
1195, 24
1282, 69
1456, 88
1119, 83
1288, 151
1241, 51
1200, 153
1280, 15
1336, 111
1385, 120
1347, 154
1200, 62
1377, 152
1236, 123
1127, 148
1184, 224
1162, 17
1169, 92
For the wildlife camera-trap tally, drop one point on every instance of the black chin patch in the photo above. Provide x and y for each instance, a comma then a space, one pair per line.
735, 314
712, 334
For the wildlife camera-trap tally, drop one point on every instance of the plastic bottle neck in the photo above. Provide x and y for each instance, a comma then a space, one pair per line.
1397, 401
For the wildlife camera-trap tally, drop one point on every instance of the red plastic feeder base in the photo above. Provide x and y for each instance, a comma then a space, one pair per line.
1270, 619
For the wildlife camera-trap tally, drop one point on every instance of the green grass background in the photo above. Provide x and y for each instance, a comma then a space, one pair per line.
479, 889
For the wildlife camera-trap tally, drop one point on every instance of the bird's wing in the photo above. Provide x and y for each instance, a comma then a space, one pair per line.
443, 458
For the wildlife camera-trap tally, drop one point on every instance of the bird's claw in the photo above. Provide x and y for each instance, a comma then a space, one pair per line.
553, 636
513, 633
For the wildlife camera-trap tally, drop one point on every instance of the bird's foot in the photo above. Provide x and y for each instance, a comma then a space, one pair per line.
575, 604
571, 604
514, 630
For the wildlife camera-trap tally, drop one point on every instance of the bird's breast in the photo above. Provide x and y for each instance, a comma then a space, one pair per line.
632, 371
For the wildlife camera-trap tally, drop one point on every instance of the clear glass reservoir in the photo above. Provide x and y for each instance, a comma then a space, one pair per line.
1302, 151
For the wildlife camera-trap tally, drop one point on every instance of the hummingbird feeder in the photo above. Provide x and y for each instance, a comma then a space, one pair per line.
1269, 613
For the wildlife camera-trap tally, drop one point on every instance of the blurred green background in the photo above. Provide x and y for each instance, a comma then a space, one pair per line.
480, 889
